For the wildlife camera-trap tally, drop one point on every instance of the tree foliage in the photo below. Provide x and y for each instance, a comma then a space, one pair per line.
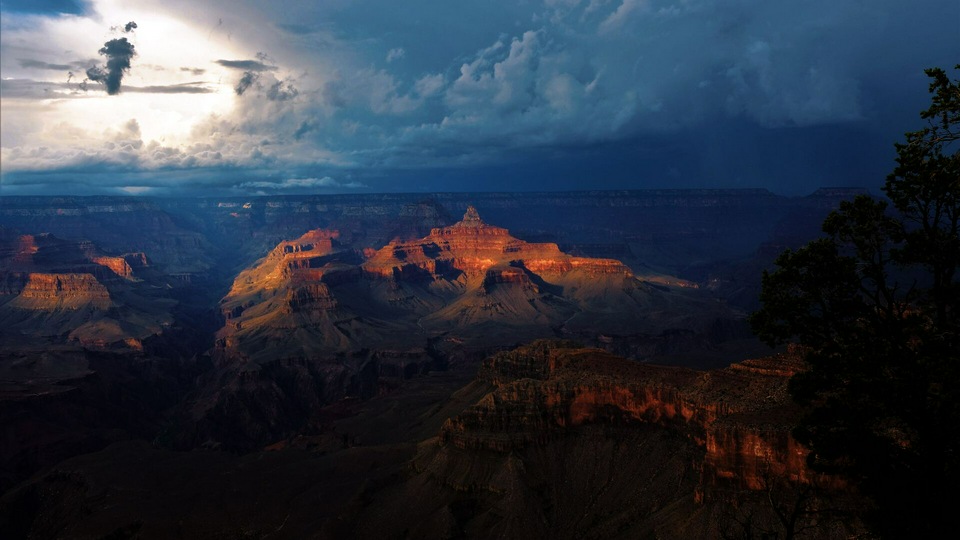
875, 305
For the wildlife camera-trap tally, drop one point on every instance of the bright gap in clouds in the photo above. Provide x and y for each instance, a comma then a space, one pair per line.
165, 118
164, 46
170, 52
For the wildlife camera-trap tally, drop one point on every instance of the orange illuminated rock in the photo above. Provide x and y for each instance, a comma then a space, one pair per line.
25, 249
472, 247
50, 292
117, 265
471, 283
312, 314
283, 263
286, 290
740, 416
68, 292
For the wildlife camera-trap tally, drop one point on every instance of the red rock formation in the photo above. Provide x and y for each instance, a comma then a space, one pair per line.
740, 416
47, 253
117, 265
282, 264
293, 279
472, 282
459, 292
508, 275
25, 249
310, 296
472, 247
62, 291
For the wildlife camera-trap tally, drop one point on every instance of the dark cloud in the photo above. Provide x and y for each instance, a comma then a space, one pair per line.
246, 65
282, 91
27, 88
78, 65
185, 88
37, 64
306, 126
256, 74
119, 52
125, 28
97, 74
193, 70
248, 79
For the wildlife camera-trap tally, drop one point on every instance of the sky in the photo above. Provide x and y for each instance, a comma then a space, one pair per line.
242, 97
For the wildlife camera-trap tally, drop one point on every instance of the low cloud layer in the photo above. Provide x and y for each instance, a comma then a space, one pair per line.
299, 184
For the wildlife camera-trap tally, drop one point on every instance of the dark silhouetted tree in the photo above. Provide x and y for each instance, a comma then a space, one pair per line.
875, 305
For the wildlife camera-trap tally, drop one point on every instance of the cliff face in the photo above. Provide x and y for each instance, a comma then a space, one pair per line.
571, 443
738, 417
45, 252
279, 266
286, 290
50, 292
117, 265
70, 292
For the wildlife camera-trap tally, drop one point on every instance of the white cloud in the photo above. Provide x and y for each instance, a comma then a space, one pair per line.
395, 54
429, 85
618, 18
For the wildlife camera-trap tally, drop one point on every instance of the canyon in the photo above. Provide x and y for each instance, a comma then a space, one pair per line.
378, 341
548, 440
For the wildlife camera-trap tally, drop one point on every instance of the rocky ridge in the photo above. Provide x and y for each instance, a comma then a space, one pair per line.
316, 310
739, 417
572, 442
70, 292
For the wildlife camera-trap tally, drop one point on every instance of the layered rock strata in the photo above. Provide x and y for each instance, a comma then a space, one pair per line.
472, 247
70, 293
739, 417
62, 291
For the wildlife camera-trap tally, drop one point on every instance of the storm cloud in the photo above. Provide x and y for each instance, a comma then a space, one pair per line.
30, 89
119, 52
36, 64
567, 94
246, 65
248, 79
